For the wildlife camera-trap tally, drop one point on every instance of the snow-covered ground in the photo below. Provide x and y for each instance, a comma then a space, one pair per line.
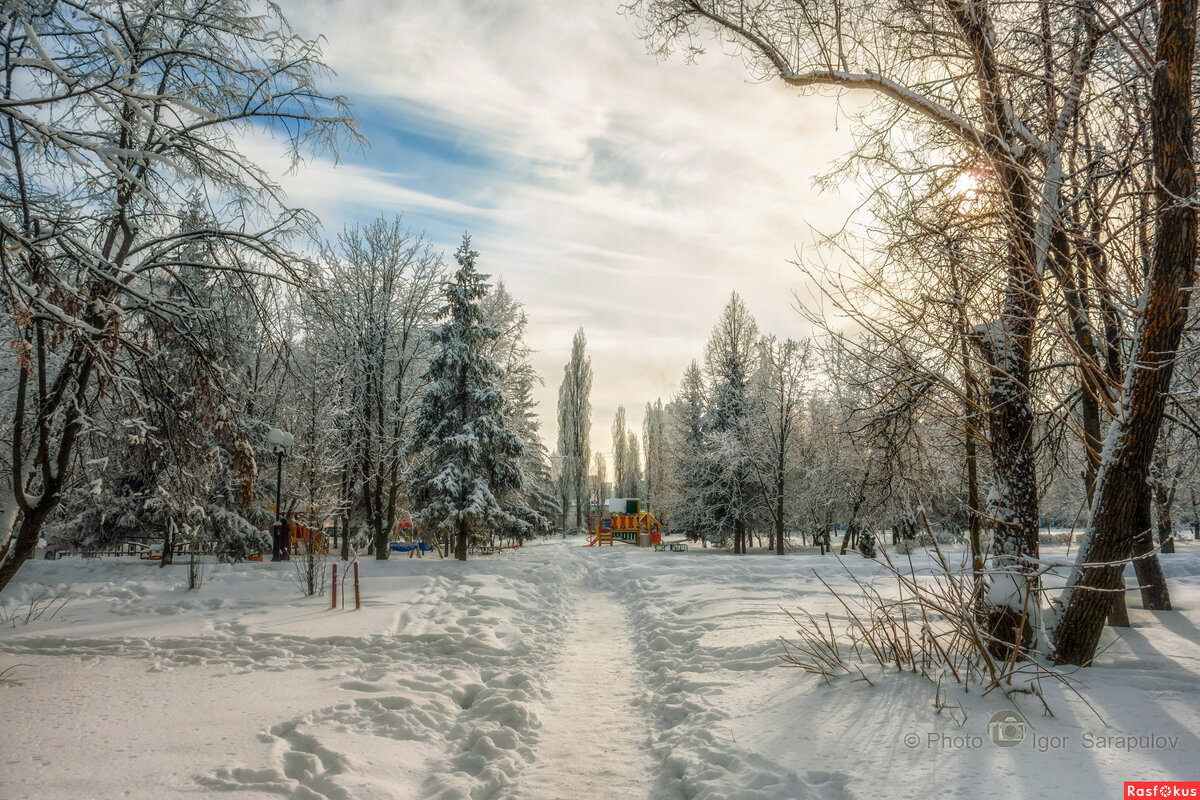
555, 671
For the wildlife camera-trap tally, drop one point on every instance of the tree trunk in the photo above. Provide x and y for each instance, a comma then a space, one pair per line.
580, 497
460, 542
779, 520
1010, 622
1166, 536
1163, 500
1091, 427
1006, 346
168, 552
1118, 615
1134, 432
23, 544
382, 545
1151, 580
970, 422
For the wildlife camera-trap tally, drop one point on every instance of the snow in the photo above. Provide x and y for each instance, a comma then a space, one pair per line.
579, 719
552, 671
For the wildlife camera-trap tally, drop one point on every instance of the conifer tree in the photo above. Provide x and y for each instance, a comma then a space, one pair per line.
472, 457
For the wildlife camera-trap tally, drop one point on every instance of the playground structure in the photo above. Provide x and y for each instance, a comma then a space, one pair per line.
409, 538
624, 521
406, 538
304, 539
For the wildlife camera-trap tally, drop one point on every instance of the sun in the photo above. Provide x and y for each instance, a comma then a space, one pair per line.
967, 185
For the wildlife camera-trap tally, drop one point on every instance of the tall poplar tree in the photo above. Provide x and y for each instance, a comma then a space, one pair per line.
575, 423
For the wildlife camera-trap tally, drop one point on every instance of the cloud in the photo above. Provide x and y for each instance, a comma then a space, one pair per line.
609, 190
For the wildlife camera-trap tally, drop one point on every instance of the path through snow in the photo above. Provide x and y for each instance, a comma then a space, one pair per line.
592, 741
553, 671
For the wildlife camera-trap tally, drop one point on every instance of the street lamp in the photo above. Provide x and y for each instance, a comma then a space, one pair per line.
280, 442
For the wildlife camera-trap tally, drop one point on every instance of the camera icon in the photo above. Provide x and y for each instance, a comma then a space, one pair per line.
1006, 729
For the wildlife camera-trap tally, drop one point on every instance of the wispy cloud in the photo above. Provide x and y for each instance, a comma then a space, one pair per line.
609, 190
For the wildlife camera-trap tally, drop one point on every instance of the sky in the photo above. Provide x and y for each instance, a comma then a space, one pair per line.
607, 189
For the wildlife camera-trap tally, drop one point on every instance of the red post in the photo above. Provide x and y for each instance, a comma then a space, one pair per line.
335, 587
357, 601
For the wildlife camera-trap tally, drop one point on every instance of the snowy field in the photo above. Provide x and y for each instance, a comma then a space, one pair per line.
555, 671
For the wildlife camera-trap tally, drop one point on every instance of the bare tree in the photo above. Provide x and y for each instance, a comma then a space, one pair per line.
778, 405
379, 294
1163, 313
113, 113
956, 72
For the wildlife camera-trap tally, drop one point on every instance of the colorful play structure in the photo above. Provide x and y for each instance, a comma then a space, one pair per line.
305, 538
625, 521
407, 539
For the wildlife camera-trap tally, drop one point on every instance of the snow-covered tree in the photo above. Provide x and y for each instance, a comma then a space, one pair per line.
654, 445
190, 468
620, 456
731, 360
371, 320
954, 76
575, 425
535, 502
599, 481
1161, 318
687, 487
115, 113
633, 465
778, 405
468, 455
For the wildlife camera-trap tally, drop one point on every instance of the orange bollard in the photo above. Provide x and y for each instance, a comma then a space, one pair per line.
335, 587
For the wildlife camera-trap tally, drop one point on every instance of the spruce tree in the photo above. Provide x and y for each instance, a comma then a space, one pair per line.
472, 457
731, 358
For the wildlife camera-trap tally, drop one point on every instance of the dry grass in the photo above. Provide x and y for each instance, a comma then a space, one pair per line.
932, 626
43, 602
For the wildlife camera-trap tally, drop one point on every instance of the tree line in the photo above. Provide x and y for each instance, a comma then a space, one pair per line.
1026, 270
165, 307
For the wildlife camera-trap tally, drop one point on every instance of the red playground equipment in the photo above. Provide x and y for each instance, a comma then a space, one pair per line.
625, 521
302, 538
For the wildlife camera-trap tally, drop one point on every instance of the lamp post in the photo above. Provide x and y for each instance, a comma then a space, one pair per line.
280, 442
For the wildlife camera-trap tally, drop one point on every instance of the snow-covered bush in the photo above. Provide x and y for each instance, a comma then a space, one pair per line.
1060, 538
360, 539
922, 541
237, 537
